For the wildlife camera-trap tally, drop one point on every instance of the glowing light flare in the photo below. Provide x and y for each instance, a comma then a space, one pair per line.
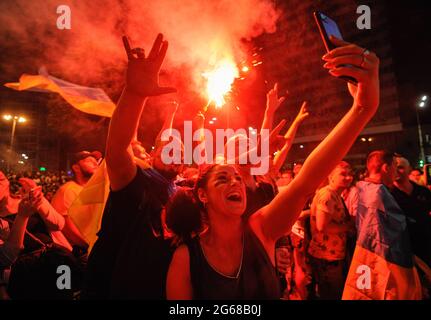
219, 82
9, 117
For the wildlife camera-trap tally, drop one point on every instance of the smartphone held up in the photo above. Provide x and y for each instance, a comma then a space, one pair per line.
328, 27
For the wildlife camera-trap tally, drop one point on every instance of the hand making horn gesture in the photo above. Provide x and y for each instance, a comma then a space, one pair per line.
143, 72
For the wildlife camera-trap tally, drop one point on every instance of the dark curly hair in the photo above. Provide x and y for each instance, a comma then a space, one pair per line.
185, 213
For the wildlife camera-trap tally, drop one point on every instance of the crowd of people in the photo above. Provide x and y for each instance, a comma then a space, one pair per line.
49, 181
215, 231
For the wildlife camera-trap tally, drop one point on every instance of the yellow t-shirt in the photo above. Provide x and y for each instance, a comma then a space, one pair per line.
64, 197
325, 245
61, 202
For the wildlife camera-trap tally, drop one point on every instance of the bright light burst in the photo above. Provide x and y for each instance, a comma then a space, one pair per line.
219, 81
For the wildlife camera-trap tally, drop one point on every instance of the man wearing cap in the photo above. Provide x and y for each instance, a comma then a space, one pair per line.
84, 164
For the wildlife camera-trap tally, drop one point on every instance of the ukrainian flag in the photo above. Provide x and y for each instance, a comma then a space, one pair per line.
382, 267
87, 209
89, 100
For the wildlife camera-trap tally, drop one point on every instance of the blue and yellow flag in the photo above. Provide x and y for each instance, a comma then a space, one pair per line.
87, 209
382, 267
86, 99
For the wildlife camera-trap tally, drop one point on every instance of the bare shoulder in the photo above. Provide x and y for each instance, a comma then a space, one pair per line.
178, 284
180, 263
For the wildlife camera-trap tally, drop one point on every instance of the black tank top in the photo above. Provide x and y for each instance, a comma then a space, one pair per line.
256, 279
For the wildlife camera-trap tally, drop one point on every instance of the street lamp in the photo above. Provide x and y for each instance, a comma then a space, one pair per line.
422, 104
15, 119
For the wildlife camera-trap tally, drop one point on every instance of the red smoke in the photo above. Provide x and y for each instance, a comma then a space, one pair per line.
200, 33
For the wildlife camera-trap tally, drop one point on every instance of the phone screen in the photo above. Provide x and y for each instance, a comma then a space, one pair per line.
328, 28
331, 27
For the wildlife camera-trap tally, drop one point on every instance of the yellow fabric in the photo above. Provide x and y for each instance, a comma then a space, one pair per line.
388, 281
87, 210
89, 100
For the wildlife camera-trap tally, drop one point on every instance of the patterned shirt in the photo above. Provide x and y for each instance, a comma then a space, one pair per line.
329, 246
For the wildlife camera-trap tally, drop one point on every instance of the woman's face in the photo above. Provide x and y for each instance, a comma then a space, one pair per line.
4, 186
225, 191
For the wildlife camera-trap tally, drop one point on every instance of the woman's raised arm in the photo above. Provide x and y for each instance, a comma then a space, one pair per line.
277, 218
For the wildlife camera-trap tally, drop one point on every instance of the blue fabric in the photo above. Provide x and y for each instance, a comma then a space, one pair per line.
382, 226
158, 181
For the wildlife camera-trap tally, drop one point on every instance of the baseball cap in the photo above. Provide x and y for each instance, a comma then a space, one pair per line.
78, 156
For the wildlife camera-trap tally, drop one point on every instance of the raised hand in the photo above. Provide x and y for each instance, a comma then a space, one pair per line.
353, 61
143, 72
32, 193
36, 197
172, 107
303, 113
273, 102
199, 120
26, 185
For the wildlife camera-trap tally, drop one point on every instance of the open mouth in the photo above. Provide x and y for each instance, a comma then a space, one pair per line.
234, 196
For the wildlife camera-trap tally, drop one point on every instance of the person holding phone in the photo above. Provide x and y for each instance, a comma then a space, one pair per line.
23, 235
12, 240
228, 257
